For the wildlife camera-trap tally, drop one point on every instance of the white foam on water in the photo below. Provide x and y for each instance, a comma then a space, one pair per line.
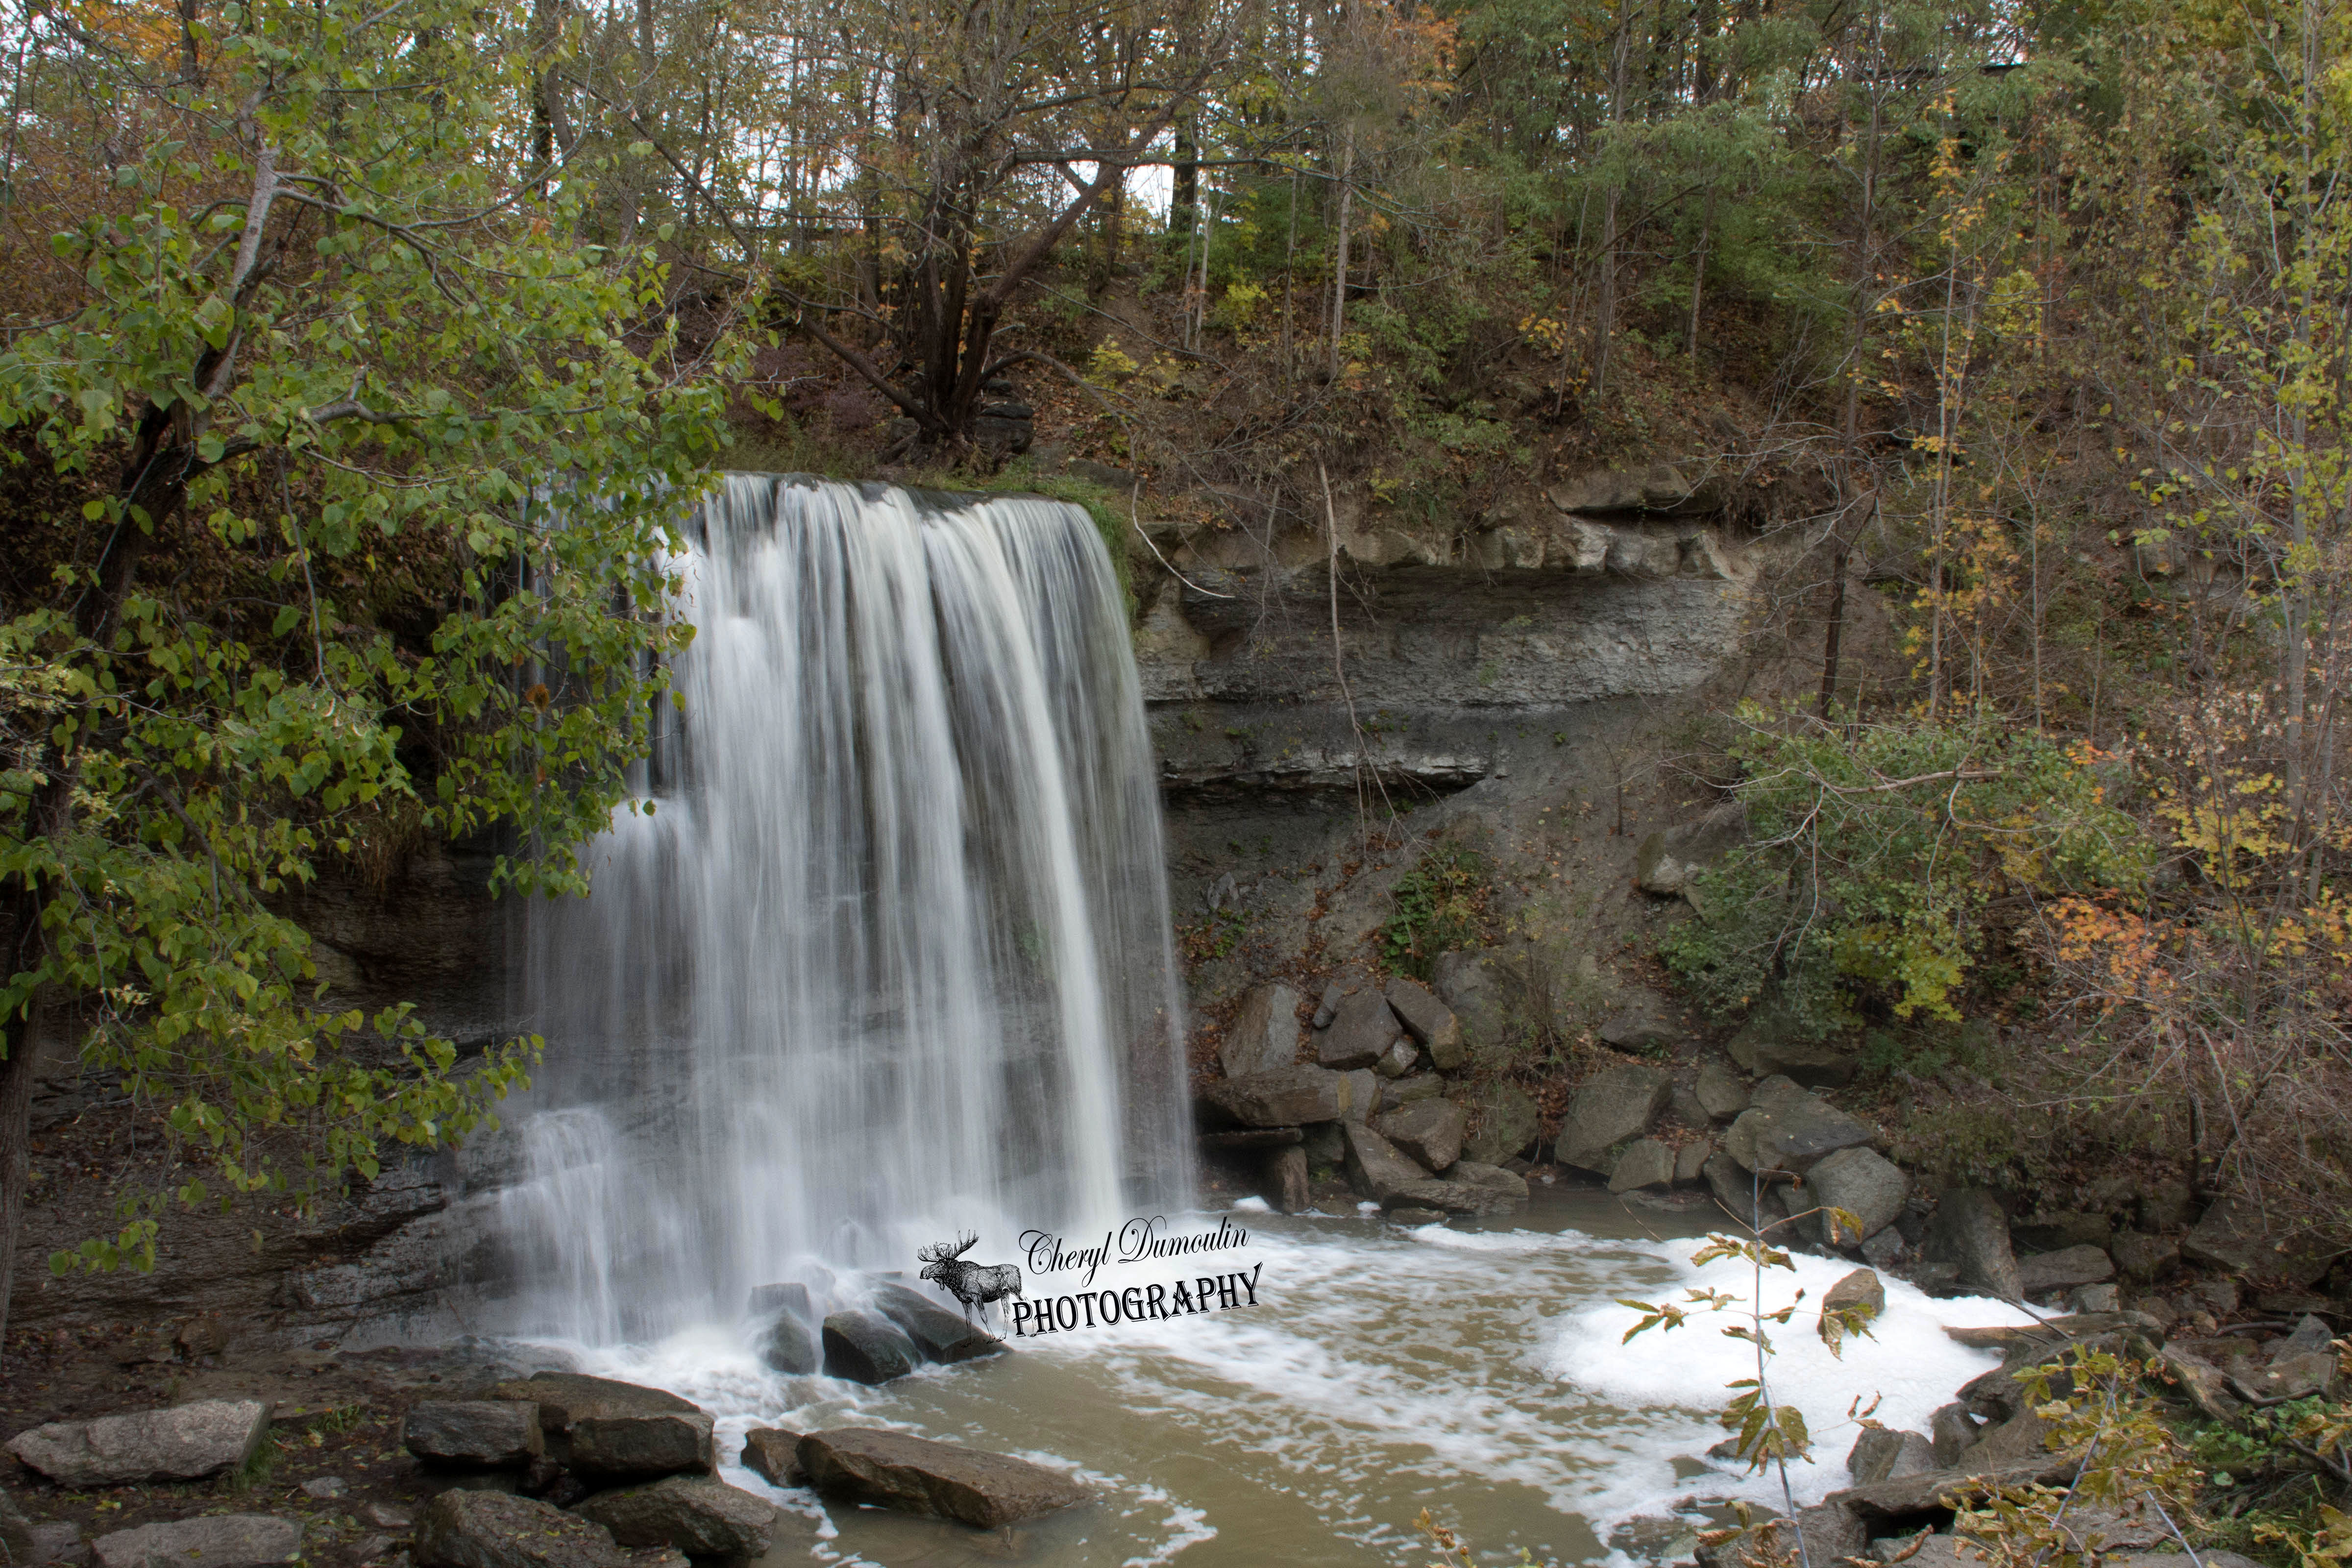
1907, 1364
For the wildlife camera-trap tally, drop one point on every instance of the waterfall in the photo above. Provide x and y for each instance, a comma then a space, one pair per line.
882, 952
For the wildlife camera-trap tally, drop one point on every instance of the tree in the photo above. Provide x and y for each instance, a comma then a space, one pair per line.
337, 466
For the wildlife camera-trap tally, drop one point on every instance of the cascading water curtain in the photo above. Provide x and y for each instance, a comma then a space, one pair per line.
886, 954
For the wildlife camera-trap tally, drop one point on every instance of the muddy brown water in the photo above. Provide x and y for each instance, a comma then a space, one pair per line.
1471, 1370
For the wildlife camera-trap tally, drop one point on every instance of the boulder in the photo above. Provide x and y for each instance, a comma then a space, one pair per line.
1754, 1205
1885, 1249
1647, 1163
1286, 1181
1953, 1432
1882, 1452
1970, 1232
768, 1453
1930, 1551
1921, 1496
1398, 1060
1472, 1173
941, 1334
701, 1515
2309, 1337
1375, 1168
1643, 1024
1405, 1091
867, 1348
1455, 1197
216, 1541
2166, 1206
1504, 1122
607, 1430
1286, 1097
1861, 1288
2290, 1377
2145, 1258
51, 1540
464, 1529
940, 1481
1264, 1034
2063, 1269
185, 1443
1472, 988
2206, 1386
2232, 1236
1612, 1107
1690, 1162
1427, 1131
1764, 1046
1359, 1094
473, 1434
1333, 995
1410, 1218
1721, 1093
1430, 1022
2095, 1299
1793, 1134
1862, 1182
789, 1345
1361, 1031
2054, 1231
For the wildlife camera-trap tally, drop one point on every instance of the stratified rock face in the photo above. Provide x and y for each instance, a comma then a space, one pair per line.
221, 1540
1865, 1184
1970, 1232
700, 1515
1264, 1034
1286, 1097
941, 1481
473, 1434
1429, 1021
1361, 1031
1375, 1168
942, 1335
867, 1348
1613, 1106
463, 1529
1427, 1131
185, 1442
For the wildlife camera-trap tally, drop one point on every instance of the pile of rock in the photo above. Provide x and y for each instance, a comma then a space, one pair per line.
1372, 1102
192, 1442
1988, 1438
631, 1466
889, 1332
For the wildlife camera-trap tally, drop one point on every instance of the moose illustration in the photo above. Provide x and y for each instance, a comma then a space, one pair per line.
974, 1284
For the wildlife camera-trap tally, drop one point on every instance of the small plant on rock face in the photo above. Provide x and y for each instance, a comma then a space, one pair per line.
1439, 905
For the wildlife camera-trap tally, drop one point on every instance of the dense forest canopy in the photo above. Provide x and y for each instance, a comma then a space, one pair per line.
2028, 320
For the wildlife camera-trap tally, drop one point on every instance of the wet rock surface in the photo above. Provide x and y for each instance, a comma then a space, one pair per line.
944, 1481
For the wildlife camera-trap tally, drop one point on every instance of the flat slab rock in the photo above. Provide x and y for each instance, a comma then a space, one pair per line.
475, 1434
184, 1443
940, 1481
466, 1529
222, 1540
701, 1515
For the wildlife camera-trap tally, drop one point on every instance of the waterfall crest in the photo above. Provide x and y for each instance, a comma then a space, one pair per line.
886, 952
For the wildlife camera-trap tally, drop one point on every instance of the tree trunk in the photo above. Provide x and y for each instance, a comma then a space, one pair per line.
1339, 269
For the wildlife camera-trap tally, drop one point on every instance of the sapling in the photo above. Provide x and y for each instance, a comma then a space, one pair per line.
1765, 1434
